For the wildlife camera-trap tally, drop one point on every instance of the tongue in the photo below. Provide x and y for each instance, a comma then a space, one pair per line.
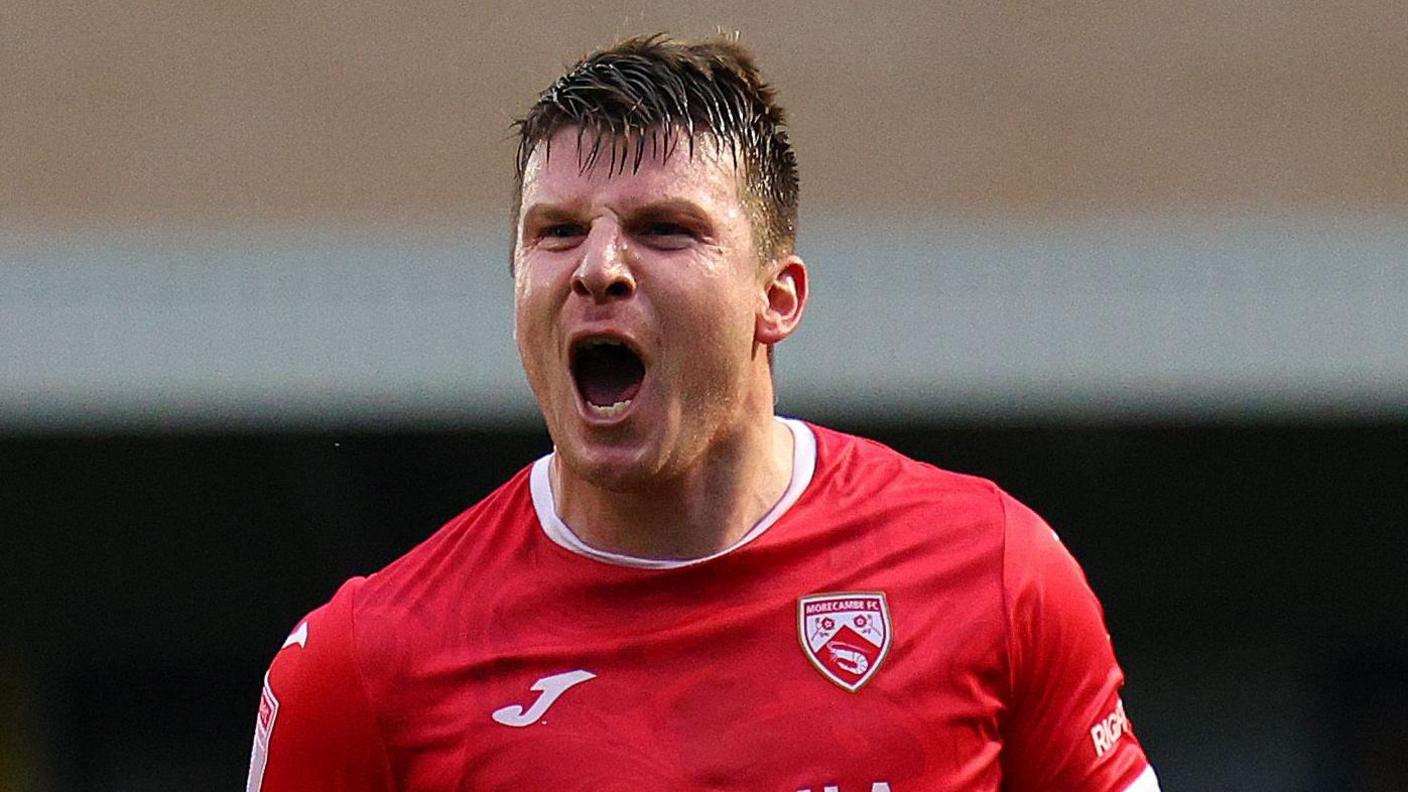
609, 374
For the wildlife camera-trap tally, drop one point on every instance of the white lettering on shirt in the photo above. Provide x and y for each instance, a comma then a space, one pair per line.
1109, 730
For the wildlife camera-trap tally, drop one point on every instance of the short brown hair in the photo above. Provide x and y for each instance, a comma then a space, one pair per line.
622, 96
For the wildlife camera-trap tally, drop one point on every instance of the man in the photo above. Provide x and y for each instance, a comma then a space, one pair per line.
689, 592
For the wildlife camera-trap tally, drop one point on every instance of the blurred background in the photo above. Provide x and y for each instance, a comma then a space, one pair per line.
1144, 264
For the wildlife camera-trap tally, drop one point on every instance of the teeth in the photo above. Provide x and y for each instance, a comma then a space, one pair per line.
607, 412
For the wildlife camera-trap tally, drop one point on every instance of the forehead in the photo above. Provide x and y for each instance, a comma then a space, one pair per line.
559, 172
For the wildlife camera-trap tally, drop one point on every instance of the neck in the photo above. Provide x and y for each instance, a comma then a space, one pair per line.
701, 512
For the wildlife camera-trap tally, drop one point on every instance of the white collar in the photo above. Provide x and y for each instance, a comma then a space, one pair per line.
803, 466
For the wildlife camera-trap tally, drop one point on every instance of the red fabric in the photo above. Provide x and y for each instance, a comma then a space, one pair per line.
1065, 681
997, 670
323, 734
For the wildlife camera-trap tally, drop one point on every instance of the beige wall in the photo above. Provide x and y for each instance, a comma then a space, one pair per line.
367, 114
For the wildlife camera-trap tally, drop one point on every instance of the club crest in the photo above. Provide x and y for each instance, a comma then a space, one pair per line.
845, 634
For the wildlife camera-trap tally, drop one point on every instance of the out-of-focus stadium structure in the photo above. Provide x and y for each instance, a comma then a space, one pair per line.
277, 217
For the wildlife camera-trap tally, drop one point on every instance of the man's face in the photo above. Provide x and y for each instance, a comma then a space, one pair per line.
636, 299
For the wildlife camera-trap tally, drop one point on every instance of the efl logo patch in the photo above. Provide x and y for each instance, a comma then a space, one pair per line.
263, 728
845, 634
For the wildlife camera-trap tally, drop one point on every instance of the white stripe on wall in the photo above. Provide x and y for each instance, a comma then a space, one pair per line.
1302, 316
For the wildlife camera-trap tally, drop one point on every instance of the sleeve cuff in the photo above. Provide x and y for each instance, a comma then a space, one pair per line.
1146, 782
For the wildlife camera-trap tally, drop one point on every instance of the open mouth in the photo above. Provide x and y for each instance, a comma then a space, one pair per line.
608, 375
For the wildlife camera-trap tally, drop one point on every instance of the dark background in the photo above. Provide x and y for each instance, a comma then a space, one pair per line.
1252, 577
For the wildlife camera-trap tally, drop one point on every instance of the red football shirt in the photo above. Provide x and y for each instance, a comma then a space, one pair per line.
887, 627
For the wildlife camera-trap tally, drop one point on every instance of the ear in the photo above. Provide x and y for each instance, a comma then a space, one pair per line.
784, 299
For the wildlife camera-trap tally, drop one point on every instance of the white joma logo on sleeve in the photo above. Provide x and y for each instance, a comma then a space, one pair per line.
1108, 731
551, 687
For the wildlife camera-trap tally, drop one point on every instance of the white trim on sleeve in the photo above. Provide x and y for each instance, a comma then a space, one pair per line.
1146, 782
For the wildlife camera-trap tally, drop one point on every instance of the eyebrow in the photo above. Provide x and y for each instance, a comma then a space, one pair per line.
547, 212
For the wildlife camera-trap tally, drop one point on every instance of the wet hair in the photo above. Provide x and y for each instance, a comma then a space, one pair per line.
644, 91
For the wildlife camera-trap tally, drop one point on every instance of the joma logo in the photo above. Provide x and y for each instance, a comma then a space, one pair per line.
878, 786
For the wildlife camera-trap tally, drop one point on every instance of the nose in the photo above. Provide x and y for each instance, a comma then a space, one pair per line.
604, 273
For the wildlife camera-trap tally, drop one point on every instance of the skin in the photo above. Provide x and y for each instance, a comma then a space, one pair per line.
664, 260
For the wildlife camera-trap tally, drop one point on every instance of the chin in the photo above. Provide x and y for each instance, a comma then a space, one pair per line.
616, 460
611, 469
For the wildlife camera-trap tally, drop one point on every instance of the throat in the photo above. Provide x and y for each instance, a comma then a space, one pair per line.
680, 519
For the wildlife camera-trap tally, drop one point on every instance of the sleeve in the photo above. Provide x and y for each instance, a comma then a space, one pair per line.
1066, 729
315, 730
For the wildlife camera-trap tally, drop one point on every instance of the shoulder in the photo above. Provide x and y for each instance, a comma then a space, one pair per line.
399, 609
372, 625
318, 659
315, 722
943, 531
1066, 727
461, 543
867, 474
940, 514
849, 455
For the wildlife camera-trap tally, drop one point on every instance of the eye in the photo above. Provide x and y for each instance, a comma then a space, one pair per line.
665, 234
560, 236
666, 229
564, 230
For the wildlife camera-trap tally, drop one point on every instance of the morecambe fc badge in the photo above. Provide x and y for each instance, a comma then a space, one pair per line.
846, 634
